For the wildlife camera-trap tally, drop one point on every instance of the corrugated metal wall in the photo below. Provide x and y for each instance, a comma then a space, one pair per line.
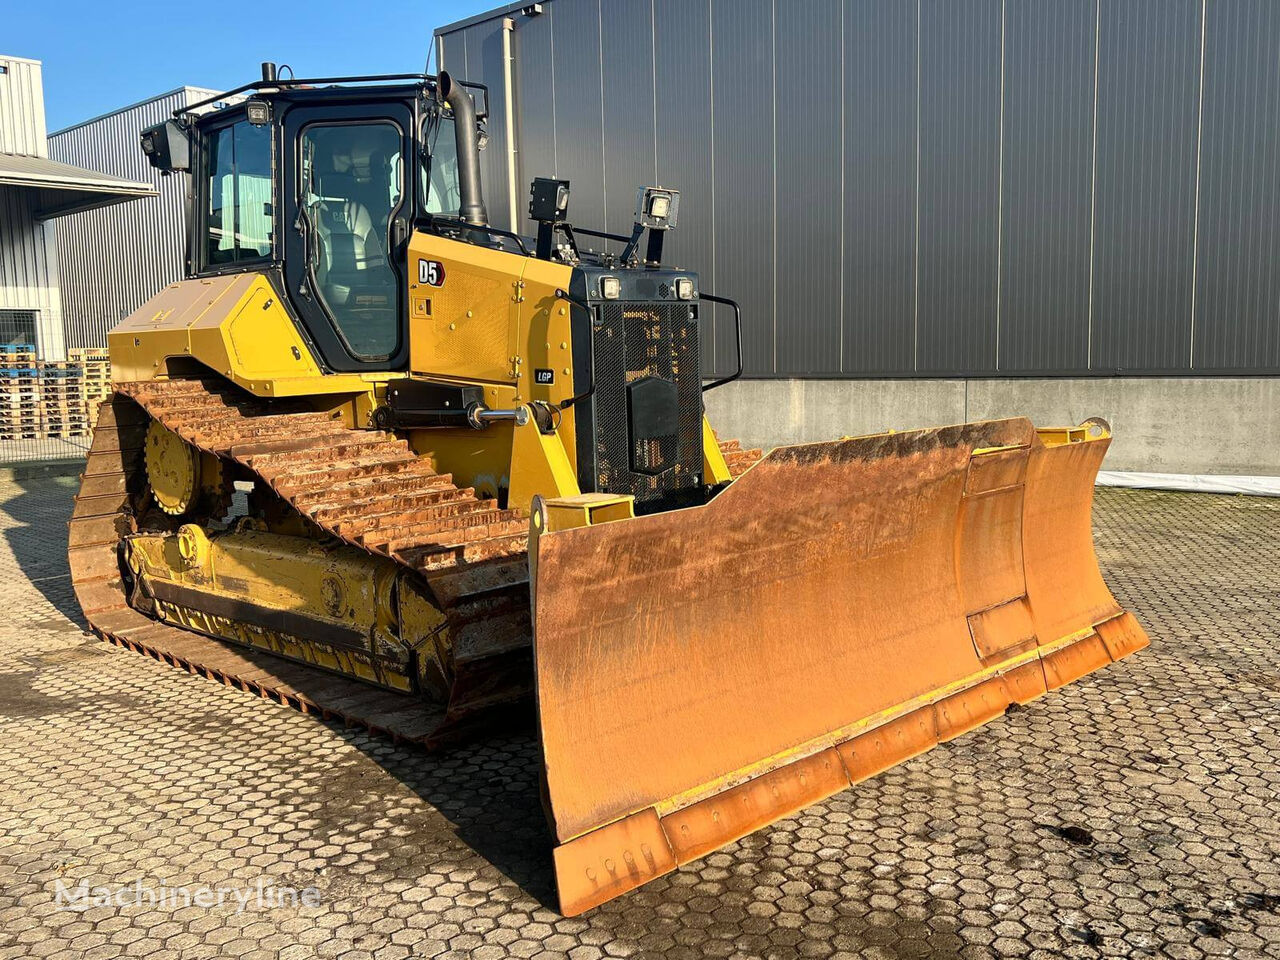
927, 188
28, 260
29, 269
21, 107
112, 260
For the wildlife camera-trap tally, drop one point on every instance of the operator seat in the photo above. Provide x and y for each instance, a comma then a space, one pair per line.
347, 235
375, 193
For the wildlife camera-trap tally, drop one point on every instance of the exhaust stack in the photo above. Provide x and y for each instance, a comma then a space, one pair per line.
472, 210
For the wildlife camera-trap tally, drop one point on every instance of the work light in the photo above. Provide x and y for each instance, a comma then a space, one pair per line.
258, 112
657, 207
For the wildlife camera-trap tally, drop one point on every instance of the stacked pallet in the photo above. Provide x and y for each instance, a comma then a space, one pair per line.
42, 399
96, 365
62, 404
19, 392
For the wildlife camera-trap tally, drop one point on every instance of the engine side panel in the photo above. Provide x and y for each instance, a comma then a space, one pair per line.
235, 325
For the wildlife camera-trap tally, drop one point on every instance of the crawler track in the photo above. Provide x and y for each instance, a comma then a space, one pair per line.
367, 488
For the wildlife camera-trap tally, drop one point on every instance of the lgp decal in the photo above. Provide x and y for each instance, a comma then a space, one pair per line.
544, 376
431, 272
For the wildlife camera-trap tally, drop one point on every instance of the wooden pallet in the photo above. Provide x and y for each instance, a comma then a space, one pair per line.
52, 425
54, 403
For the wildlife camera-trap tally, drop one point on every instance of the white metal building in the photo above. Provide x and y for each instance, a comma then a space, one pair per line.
143, 243
34, 190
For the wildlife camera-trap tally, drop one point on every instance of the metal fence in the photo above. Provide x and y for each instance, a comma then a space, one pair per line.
46, 407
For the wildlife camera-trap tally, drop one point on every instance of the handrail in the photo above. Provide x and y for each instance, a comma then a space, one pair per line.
737, 326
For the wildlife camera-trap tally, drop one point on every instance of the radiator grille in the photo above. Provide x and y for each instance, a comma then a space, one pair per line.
634, 341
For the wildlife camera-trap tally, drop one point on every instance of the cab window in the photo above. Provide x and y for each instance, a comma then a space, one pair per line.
440, 190
238, 221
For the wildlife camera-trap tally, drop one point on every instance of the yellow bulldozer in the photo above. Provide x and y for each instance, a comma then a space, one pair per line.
382, 461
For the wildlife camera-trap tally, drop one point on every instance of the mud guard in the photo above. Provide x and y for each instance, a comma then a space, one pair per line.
841, 607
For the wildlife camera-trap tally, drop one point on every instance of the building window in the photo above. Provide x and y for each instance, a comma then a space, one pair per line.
238, 221
18, 327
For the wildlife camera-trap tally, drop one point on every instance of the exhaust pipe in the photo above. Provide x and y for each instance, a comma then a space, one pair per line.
468, 147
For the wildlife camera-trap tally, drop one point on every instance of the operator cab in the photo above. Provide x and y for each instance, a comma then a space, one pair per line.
319, 186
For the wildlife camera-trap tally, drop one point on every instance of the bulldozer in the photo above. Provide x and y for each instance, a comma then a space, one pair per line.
382, 461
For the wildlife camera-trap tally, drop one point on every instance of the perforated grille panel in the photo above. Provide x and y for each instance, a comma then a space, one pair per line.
659, 464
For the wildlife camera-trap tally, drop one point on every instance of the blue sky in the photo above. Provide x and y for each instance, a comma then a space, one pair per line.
101, 56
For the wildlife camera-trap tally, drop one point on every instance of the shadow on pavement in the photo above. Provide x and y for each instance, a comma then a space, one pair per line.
486, 791
488, 796
37, 537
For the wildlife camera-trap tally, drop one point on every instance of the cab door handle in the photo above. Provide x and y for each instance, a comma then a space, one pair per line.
399, 231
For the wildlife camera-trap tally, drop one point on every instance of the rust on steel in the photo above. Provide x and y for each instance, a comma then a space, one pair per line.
842, 607
364, 487
737, 458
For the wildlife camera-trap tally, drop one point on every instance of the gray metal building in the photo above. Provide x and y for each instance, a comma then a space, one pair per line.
143, 242
33, 191
933, 210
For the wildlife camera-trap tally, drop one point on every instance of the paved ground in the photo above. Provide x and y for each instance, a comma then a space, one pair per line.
1134, 813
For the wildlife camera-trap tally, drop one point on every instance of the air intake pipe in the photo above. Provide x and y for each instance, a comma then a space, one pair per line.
467, 139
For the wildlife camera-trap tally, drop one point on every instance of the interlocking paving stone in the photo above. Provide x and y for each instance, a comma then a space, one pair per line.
1134, 813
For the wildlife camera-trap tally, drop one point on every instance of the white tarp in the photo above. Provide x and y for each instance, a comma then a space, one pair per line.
1192, 483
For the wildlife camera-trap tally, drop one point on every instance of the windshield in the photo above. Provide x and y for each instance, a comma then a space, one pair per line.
440, 192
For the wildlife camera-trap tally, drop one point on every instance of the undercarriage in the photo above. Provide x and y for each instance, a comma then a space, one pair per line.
277, 528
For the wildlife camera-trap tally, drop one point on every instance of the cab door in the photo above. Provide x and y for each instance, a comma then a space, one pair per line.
347, 208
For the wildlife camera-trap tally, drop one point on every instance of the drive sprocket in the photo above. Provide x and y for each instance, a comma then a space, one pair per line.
181, 477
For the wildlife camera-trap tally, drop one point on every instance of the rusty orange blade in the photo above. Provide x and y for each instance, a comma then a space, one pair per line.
841, 607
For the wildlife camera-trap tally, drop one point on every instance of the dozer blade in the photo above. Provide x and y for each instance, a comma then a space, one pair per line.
839, 608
